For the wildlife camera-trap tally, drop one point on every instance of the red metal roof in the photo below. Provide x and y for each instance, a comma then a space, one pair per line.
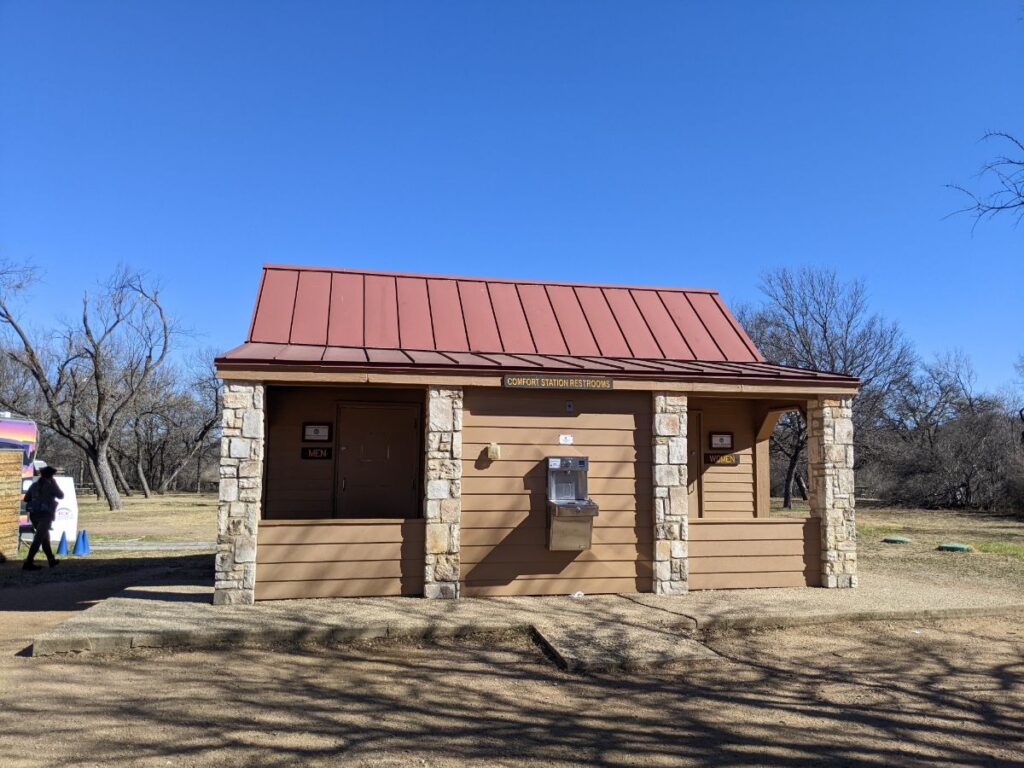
374, 310
319, 316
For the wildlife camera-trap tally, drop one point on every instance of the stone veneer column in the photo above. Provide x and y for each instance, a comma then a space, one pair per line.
241, 491
443, 492
671, 513
830, 466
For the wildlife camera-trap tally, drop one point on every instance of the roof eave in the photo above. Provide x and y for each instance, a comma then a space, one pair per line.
829, 382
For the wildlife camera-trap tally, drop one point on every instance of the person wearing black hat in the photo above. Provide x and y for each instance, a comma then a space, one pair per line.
41, 500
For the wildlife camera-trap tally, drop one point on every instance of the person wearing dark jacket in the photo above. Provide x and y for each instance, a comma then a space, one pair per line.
41, 500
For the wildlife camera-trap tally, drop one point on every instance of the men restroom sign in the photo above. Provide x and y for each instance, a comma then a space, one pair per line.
318, 452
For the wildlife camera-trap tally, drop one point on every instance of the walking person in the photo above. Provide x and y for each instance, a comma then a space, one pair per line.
41, 499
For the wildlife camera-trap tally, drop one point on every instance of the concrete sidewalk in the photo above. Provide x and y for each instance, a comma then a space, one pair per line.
592, 633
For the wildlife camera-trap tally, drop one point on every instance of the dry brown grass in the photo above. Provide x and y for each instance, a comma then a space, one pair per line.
172, 517
998, 541
143, 535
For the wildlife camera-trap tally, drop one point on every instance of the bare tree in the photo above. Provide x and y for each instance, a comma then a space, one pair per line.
812, 319
1004, 177
86, 378
171, 424
949, 445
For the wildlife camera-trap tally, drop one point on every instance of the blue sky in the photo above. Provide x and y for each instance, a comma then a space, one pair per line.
675, 143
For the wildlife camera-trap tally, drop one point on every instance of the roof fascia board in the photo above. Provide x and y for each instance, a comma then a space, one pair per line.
314, 376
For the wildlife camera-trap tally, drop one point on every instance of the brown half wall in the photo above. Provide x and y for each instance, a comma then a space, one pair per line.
748, 554
504, 512
339, 558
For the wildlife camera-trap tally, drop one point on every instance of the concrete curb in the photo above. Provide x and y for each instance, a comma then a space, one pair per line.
720, 623
53, 644
56, 643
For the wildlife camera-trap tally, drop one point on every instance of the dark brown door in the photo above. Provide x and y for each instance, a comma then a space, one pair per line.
378, 461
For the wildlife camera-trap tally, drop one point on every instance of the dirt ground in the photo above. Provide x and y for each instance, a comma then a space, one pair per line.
849, 695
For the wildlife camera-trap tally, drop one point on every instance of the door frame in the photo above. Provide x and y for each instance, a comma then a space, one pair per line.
695, 418
417, 408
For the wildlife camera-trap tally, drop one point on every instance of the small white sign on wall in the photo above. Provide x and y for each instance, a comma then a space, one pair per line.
565, 439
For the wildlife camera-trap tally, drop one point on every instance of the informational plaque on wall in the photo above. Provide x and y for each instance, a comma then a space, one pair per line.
721, 441
316, 433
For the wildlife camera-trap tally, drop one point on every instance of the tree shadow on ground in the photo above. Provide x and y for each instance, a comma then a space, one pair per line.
869, 697
77, 584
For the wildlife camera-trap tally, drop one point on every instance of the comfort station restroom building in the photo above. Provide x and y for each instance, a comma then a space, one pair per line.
393, 434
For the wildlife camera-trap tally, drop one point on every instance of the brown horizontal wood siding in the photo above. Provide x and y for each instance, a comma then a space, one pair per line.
339, 558
748, 554
504, 510
728, 492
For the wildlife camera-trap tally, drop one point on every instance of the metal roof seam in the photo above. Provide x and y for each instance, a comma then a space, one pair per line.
615, 317
295, 301
330, 302
586, 318
682, 335
647, 322
462, 313
398, 319
558, 324
430, 316
707, 330
677, 364
571, 361
362, 317
526, 317
612, 362
494, 314
736, 327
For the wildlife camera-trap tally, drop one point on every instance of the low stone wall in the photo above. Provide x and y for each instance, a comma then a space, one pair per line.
10, 502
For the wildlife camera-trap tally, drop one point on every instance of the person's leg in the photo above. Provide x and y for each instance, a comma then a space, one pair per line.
47, 550
37, 541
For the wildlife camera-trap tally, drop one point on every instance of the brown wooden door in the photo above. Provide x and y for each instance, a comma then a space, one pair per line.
378, 463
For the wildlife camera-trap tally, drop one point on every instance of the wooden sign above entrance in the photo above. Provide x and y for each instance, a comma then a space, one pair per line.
544, 381
309, 452
722, 459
